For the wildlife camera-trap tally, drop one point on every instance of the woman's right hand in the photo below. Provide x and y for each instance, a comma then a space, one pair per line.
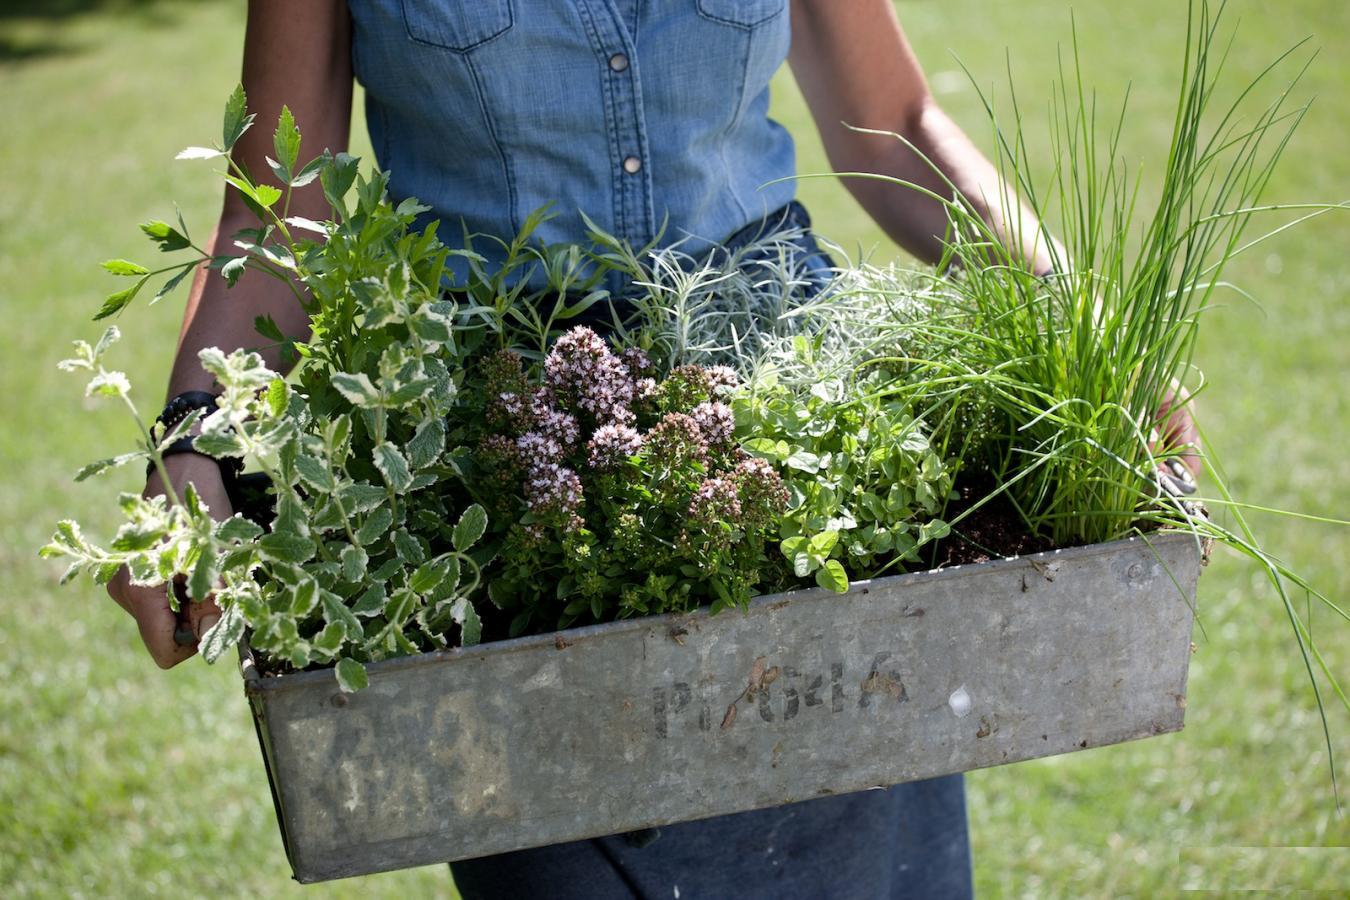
149, 606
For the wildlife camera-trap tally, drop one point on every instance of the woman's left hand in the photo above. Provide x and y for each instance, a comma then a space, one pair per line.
1177, 431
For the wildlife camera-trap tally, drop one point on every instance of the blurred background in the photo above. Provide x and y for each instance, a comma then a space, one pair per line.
119, 780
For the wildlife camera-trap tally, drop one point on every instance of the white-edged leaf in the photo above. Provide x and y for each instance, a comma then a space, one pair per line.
356, 388
351, 675
470, 626
427, 444
392, 466
470, 527
223, 635
315, 473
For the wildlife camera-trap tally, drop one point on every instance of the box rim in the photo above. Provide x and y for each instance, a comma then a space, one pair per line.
258, 685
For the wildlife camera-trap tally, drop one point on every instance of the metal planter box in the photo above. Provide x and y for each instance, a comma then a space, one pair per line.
646, 722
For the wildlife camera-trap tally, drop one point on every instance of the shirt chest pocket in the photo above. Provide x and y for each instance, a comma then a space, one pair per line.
458, 25
741, 13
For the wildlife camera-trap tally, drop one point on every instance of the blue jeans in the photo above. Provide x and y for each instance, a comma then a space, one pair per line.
906, 841
910, 840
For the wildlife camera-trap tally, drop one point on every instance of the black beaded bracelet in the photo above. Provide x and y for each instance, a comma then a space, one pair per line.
183, 405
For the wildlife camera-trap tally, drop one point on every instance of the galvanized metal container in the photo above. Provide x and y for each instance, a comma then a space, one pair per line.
647, 722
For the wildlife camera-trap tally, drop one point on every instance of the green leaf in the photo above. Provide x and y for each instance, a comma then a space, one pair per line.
334, 610
287, 548
167, 287
470, 626
315, 473
821, 544
124, 267
330, 640
470, 527
427, 444
361, 497
833, 577
804, 461
371, 602
400, 607
286, 141
237, 120
303, 177
409, 549
304, 598
266, 195
233, 268
392, 466
351, 675
356, 388
337, 178
268, 328
354, 562
198, 153
237, 528
203, 578
163, 234
223, 635
375, 525
116, 302
112, 462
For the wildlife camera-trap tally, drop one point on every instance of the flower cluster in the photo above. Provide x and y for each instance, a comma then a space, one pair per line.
630, 493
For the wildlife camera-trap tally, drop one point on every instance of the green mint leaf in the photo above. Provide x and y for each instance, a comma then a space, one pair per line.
286, 548
470, 626
237, 528
237, 119
832, 576
112, 462
375, 525
354, 562
393, 467
124, 267
316, 473
202, 581
351, 675
427, 576
286, 141
427, 443
223, 635
371, 602
198, 153
356, 388
470, 527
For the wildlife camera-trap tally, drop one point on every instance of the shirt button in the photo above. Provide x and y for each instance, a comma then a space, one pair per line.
632, 165
618, 62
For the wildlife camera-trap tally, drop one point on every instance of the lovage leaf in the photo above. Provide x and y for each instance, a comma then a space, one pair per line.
116, 302
237, 119
198, 153
286, 141
124, 267
166, 236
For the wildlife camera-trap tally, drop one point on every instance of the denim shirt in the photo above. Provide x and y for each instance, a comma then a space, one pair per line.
632, 111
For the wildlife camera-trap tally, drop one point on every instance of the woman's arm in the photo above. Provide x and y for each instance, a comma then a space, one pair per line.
296, 53
855, 66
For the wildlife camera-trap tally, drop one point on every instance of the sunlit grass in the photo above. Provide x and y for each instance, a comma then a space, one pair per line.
119, 780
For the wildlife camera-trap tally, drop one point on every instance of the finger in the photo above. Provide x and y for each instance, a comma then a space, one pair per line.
203, 616
117, 589
157, 622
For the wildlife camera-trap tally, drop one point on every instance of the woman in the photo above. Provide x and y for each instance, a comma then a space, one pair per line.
637, 112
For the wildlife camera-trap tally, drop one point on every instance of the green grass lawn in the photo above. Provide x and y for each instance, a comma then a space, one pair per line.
119, 780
